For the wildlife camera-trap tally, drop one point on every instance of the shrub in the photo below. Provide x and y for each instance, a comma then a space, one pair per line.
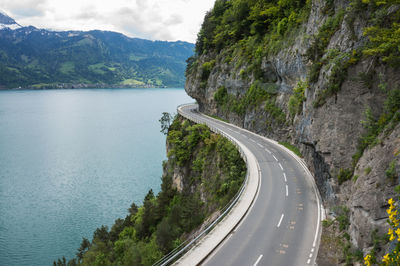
388, 119
323, 37
297, 98
344, 175
342, 217
367, 170
206, 69
391, 172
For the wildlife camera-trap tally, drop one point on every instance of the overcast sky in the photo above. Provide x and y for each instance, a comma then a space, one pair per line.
169, 20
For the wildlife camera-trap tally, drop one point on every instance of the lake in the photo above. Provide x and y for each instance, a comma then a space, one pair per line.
73, 160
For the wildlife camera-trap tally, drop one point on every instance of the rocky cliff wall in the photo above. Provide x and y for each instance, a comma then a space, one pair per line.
345, 88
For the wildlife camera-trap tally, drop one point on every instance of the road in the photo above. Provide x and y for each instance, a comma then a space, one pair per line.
282, 226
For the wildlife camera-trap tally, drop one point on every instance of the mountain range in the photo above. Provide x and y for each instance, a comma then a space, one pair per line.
40, 58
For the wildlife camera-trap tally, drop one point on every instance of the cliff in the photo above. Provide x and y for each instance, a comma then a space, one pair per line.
325, 76
202, 173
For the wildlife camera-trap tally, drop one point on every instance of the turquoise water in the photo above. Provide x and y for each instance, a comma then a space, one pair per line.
73, 160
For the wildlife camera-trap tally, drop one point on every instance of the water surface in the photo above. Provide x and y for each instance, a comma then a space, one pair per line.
72, 160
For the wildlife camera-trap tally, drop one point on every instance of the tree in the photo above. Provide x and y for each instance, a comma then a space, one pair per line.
165, 121
85, 245
101, 234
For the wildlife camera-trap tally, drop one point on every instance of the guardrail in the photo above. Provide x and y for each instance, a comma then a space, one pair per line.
192, 240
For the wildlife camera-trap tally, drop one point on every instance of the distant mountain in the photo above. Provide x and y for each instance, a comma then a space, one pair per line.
7, 22
39, 58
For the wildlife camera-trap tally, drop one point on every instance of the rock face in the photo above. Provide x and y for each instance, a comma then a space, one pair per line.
328, 135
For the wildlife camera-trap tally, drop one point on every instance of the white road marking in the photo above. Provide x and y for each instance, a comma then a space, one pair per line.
320, 207
284, 175
258, 260
308, 262
312, 250
287, 191
268, 151
280, 166
280, 221
275, 158
310, 255
260, 145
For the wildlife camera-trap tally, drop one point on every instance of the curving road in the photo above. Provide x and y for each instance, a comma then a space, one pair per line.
282, 226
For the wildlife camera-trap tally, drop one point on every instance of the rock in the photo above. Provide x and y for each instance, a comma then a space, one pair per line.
327, 135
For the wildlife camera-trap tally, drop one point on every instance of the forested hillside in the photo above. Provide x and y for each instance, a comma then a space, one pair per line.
203, 172
38, 58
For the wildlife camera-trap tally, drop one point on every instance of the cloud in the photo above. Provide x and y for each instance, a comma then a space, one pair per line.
149, 19
25, 8
174, 19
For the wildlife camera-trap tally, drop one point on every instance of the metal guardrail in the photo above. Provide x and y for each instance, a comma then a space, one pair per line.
192, 240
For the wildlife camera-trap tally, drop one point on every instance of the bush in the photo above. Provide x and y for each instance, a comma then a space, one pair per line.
388, 119
297, 98
323, 37
344, 175
391, 172
221, 96
206, 69
342, 216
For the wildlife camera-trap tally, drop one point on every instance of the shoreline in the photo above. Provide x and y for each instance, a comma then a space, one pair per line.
87, 86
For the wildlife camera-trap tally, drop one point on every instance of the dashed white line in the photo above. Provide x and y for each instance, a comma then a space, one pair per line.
280, 221
280, 166
260, 145
284, 176
268, 151
287, 191
275, 157
258, 260
310, 255
308, 262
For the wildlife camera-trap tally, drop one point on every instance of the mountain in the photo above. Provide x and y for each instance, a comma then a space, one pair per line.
323, 76
7, 22
39, 58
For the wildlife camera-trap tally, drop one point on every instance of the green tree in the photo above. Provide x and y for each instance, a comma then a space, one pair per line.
85, 245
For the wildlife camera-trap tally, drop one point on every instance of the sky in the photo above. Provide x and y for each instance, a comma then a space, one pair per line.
168, 20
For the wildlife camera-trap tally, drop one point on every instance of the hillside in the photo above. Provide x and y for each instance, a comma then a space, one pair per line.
324, 76
39, 58
203, 172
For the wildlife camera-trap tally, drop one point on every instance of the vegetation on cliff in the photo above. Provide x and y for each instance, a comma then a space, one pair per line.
210, 172
256, 26
324, 76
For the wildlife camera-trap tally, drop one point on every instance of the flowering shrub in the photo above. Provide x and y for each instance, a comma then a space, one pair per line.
393, 257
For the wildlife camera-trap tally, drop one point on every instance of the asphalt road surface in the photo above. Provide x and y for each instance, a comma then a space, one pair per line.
282, 227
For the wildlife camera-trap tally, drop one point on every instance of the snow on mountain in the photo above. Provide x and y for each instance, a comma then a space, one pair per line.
7, 22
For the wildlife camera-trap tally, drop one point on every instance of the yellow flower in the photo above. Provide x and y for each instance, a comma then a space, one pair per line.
391, 201
386, 259
398, 232
367, 260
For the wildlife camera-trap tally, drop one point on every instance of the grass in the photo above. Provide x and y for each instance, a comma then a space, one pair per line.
292, 148
132, 82
67, 67
219, 118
